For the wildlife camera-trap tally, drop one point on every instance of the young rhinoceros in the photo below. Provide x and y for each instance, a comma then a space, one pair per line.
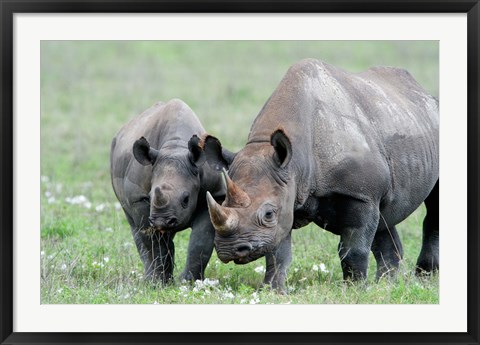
354, 153
159, 178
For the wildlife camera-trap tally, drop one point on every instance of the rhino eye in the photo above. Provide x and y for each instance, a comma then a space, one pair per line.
268, 215
185, 199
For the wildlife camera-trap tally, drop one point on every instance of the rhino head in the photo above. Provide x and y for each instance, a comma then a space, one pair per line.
257, 213
175, 182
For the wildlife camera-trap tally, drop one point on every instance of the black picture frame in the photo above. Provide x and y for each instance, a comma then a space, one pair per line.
9, 8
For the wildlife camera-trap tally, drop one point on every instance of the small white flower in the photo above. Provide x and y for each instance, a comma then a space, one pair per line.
315, 268
51, 200
260, 269
323, 268
155, 302
100, 207
243, 300
108, 229
106, 259
50, 257
118, 206
42, 253
60, 290
183, 288
63, 267
228, 294
254, 301
198, 285
210, 282
127, 244
44, 179
126, 296
296, 269
48, 194
88, 205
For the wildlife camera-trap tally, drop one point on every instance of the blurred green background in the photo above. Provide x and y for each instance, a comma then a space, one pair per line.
89, 89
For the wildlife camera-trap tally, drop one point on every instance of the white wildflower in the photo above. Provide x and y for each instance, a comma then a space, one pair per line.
126, 296
323, 268
183, 288
210, 282
44, 179
118, 206
79, 200
127, 244
243, 300
260, 269
42, 253
60, 290
155, 302
63, 267
58, 187
48, 194
228, 294
51, 200
296, 269
315, 268
106, 259
108, 229
100, 207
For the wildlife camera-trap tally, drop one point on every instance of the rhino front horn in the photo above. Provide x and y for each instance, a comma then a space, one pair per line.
159, 199
223, 219
235, 196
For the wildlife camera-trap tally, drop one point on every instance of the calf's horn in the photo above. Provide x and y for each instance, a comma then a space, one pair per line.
235, 196
159, 198
224, 220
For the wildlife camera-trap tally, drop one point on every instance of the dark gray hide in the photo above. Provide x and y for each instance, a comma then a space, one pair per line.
354, 153
161, 183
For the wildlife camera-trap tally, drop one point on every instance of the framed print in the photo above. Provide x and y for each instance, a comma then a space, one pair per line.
138, 116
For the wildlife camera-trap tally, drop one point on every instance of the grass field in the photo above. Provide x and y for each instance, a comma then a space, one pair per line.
90, 89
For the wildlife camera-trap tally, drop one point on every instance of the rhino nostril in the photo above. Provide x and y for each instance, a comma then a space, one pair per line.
172, 221
243, 249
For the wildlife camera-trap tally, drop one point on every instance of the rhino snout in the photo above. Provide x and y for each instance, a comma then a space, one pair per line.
170, 222
242, 250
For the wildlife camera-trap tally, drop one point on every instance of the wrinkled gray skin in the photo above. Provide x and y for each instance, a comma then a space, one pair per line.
161, 181
354, 153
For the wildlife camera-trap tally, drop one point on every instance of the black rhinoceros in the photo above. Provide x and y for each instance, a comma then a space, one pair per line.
159, 178
354, 153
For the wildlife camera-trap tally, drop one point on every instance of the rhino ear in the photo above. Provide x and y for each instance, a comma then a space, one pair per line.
282, 146
217, 157
143, 153
195, 148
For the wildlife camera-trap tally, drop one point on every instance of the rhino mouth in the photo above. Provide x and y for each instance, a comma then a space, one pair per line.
240, 259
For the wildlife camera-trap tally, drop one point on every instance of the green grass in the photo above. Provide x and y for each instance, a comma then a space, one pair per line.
90, 89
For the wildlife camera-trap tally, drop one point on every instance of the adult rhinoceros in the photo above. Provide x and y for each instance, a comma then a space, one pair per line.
159, 178
354, 153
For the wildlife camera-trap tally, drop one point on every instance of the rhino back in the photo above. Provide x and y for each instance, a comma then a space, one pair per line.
161, 124
373, 133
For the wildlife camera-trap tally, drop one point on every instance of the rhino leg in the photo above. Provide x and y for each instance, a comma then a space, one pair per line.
388, 251
277, 265
200, 247
157, 251
358, 222
428, 260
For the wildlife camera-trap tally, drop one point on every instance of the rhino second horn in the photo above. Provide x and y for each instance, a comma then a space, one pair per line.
223, 219
235, 196
160, 199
